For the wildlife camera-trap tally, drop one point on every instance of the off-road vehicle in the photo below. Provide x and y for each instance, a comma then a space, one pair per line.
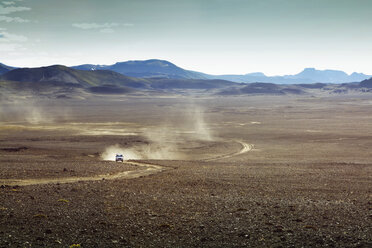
119, 158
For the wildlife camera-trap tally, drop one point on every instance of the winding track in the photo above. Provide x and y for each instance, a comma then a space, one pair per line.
149, 170
245, 148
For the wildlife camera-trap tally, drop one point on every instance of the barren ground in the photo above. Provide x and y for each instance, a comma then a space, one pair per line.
305, 181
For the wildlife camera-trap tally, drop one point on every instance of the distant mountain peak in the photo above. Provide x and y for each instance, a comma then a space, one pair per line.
152, 62
357, 74
256, 74
151, 68
312, 69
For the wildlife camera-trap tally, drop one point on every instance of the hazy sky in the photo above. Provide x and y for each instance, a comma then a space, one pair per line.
212, 36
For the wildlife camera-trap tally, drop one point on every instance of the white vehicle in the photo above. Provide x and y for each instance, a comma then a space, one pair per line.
119, 158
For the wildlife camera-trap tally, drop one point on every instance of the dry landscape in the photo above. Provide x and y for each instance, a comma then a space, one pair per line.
232, 171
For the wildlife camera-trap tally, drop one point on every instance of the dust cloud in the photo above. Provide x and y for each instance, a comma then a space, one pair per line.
199, 125
164, 141
162, 144
25, 110
111, 151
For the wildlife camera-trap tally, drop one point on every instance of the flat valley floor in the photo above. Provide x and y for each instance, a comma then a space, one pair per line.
253, 171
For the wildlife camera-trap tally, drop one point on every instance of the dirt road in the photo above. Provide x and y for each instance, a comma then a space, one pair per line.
245, 148
149, 170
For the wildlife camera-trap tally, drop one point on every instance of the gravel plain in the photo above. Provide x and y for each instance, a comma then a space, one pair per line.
295, 188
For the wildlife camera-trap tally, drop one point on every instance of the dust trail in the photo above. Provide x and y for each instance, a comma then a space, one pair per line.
24, 111
162, 145
111, 151
165, 140
31, 111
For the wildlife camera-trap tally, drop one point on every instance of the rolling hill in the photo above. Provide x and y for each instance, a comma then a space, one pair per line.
65, 75
264, 89
5, 68
366, 83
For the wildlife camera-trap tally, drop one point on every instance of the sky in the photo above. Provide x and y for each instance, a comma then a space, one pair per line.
277, 37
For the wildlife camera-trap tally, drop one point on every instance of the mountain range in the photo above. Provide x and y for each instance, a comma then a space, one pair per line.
58, 80
163, 69
307, 76
64, 82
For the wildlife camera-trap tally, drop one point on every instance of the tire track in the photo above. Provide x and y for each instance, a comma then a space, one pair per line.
149, 170
245, 148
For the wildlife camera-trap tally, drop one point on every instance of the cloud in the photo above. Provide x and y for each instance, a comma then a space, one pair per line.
8, 37
8, 3
95, 25
102, 27
13, 19
11, 9
107, 30
8, 8
10, 42
10, 47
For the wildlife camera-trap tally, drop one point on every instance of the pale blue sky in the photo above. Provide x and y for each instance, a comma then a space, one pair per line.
214, 36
